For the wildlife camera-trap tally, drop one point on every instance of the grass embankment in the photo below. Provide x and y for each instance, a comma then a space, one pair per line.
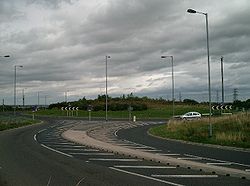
9, 122
162, 112
228, 130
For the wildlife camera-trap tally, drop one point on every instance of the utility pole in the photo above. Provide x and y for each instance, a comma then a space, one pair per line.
3, 105
235, 94
180, 98
217, 96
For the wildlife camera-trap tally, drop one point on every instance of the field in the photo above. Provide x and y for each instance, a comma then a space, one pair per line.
227, 130
163, 112
9, 122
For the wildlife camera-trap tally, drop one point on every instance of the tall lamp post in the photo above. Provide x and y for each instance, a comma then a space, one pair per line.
15, 67
208, 63
106, 101
5, 56
222, 81
172, 63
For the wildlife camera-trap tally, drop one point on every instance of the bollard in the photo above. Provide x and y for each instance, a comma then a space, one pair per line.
134, 118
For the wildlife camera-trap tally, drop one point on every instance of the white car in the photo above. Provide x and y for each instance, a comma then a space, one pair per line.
191, 116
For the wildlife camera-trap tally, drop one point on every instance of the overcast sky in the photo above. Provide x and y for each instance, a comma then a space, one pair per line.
62, 46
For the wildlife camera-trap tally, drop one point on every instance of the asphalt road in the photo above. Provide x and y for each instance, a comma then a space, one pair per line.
140, 135
38, 155
24, 162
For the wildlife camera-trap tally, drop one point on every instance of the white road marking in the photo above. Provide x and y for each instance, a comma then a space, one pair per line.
138, 144
41, 130
184, 176
92, 154
189, 158
151, 150
58, 143
211, 159
167, 154
57, 151
219, 163
247, 170
34, 137
103, 159
144, 167
143, 176
134, 147
68, 146
115, 133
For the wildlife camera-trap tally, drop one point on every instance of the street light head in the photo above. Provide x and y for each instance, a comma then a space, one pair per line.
191, 11
163, 56
108, 56
7, 56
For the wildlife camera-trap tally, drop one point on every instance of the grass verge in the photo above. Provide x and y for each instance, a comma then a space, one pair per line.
9, 122
227, 130
151, 113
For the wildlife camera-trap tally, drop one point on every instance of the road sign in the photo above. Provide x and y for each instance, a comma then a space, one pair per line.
62, 108
222, 107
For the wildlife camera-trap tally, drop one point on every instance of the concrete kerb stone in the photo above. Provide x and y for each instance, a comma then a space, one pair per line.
81, 137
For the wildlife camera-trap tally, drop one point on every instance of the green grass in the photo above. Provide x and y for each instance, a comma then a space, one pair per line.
9, 122
162, 112
228, 130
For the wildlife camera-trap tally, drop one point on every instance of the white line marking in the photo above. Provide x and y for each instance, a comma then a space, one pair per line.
151, 150
211, 159
41, 130
58, 143
34, 137
162, 154
184, 176
189, 158
94, 154
103, 159
57, 151
134, 147
143, 176
247, 170
144, 167
85, 150
116, 132
138, 144
204, 158
219, 163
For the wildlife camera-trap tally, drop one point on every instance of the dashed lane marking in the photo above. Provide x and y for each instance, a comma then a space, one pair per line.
147, 177
57, 151
144, 167
184, 176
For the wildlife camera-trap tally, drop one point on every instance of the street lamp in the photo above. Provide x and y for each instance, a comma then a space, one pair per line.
208, 63
15, 67
106, 60
172, 62
222, 81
